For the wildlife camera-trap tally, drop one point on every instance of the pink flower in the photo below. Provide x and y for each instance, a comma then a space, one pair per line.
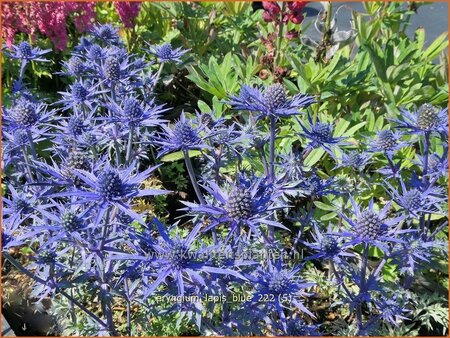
271, 11
271, 7
48, 18
128, 11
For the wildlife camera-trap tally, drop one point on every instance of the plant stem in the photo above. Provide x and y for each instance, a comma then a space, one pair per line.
22, 269
130, 145
272, 147
116, 144
158, 75
27, 164
426, 148
279, 38
192, 176
362, 286
32, 146
127, 292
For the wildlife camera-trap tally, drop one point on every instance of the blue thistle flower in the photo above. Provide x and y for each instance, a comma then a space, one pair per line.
413, 251
111, 69
390, 309
80, 92
387, 142
437, 164
354, 159
178, 258
96, 53
167, 53
27, 115
183, 136
316, 187
75, 67
248, 204
134, 113
426, 119
27, 53
107, 34
415, 200
373, 227
271, 101
329, 245
20, 206
321, 135
112, 187
278, 287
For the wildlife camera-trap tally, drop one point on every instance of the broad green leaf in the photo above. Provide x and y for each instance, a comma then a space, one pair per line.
179, 155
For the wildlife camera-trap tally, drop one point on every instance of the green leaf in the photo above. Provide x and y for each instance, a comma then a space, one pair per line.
436, 47
324, 206
314, 157
179, 155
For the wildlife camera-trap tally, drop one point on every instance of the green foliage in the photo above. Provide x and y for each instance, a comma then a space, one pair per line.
430, 311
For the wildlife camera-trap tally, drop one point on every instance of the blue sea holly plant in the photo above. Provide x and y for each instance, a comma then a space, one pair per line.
257, 209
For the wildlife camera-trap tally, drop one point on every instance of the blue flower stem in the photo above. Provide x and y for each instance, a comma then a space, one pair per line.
272, 147
127, 293
264, 161
158, 75
22, 71
32, 146
22, 269
106, 228
116, 144
27, 164
340, 279
191, 172
273, 126
426, 148
362, 286
130, 145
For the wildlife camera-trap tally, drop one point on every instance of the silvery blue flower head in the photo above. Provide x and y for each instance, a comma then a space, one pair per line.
354, 159
272, 101
241, 204
112, 187
21, 205
71, 128
328, 245
321, 135
184, 135
26, 115
134, 113
65, 224
165, 52
14, 143
75, 67
315, 186
416, 200
178, 257
80, 92
96, 53
372, 227
437, 164
426, 119
27, 53
106, 34
277, 287
387, 141
391, 310
414, 251
62, 174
